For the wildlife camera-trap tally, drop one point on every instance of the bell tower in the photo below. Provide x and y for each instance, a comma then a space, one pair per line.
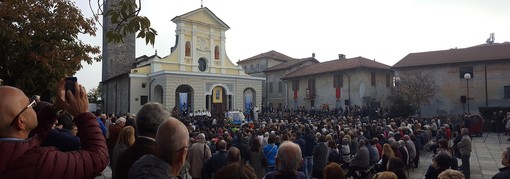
118, 58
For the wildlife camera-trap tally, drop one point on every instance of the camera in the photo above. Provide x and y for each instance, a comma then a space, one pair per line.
70, 84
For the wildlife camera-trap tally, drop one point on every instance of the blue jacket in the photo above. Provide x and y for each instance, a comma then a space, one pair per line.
101, 125
270, 151
63, 139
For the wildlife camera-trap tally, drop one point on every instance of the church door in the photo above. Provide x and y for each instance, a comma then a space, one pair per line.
218, 101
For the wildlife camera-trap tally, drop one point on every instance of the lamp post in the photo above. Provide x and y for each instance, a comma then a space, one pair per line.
467, 76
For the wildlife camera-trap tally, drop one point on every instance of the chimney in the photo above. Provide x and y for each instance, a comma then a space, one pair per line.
341, 57
313, 55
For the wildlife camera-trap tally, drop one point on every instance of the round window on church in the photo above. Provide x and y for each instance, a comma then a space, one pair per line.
202, 64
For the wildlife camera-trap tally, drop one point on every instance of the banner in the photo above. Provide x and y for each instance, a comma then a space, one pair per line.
338, 93
217, 94
248, 103
183, 103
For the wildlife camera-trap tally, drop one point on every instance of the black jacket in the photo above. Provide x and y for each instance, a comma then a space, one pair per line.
244, 149
301, 142
503, 173
217, 161
309, 144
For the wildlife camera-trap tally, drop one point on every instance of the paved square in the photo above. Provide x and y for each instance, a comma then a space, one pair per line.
485, 158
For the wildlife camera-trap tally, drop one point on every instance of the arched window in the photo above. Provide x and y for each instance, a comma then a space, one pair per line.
216, 52
188, 49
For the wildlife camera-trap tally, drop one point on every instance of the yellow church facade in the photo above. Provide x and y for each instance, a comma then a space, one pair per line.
197, 75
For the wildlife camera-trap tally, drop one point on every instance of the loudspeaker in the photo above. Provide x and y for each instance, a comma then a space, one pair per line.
463, 99
347, 102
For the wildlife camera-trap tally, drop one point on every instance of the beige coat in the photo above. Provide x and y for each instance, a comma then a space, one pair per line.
197, 157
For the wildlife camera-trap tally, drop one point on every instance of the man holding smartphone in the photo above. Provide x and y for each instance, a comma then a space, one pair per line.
23, 157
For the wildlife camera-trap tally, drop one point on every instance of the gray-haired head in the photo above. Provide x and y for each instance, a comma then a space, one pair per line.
289, 156
464, 131
391, 134
201, 138
393, 143
401, 143
150, 116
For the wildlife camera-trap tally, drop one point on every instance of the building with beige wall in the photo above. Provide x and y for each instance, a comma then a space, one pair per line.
257, 66
197, 75
276, 87
489, 85
336, 83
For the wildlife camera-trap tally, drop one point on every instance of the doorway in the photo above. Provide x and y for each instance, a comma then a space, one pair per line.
184, 100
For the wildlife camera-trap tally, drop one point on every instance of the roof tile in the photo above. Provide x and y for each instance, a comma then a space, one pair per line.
271, 54
484, 52
291, 63
336, 65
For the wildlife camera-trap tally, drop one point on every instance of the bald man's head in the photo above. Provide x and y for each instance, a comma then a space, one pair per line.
171, 139
289, 156
13, 102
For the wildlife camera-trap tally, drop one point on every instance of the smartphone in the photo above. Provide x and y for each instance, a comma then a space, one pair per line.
70, 84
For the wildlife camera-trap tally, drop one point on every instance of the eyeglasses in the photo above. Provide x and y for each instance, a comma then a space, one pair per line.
31, 105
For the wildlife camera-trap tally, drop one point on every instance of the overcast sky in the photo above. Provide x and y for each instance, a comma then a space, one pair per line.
382, 30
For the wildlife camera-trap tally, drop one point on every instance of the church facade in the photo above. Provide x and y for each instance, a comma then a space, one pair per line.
197, 75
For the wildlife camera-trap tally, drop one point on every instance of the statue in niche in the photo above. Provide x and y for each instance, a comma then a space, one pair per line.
217, 53
188, 49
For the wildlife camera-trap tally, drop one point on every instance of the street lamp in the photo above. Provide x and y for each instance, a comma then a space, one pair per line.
467, 76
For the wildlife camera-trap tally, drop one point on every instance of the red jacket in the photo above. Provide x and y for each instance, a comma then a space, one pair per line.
26, 159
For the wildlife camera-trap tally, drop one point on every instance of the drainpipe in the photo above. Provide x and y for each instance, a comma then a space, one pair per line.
486, 94
150, 89
267, 92
286, 95
349, 87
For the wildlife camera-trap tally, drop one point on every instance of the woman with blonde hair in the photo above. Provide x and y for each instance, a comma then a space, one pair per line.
386, 155
451, 174
126, 139
385, 175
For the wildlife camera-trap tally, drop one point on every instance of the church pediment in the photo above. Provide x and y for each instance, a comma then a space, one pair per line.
201, 15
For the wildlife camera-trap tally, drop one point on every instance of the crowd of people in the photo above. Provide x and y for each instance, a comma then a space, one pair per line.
63, 140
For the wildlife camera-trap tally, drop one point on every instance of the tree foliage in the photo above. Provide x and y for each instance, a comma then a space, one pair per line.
125, 16
40, 43
94, 95
416, 89
402, 108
